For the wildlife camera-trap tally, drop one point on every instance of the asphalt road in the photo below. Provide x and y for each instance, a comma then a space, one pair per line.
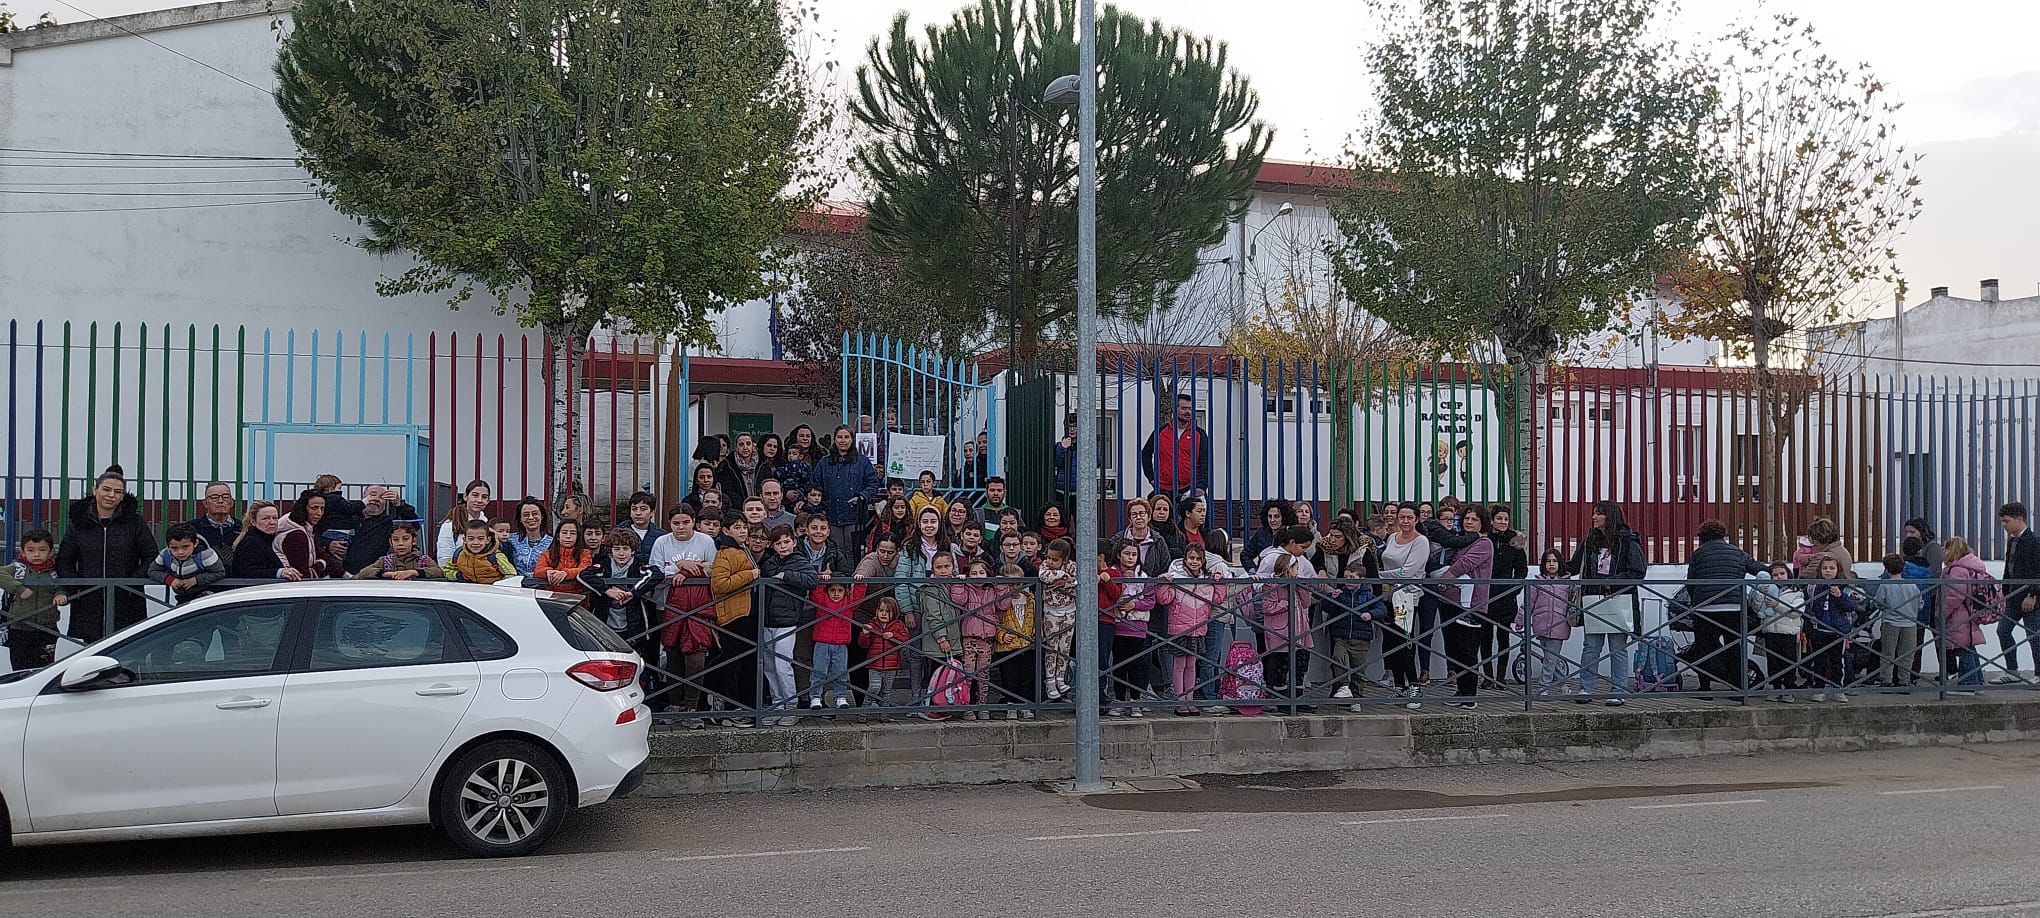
1916, 833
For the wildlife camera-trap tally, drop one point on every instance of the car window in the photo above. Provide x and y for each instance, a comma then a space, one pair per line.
582, 630
240, 640
357, 633
484, 642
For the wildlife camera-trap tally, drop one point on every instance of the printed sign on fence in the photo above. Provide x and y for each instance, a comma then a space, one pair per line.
907, 456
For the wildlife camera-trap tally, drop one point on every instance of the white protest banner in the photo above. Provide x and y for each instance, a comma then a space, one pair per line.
907, 456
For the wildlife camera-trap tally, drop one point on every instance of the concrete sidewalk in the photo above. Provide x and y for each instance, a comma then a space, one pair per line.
825, 754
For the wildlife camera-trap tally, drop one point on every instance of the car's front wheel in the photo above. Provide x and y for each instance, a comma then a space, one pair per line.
503, 799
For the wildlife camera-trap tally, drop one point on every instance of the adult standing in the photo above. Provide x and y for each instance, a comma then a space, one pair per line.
473, 505
254, 550
1404, 557
107, 539
1610, 564
1823, 537
380, 508
1154, 562
1448, 538
1194, 526
739, 475
1177, 456
297, 537
2022, 592
1276, 516
1465, 635
1512, 562
216, 522
1066, 465
1718, 606
1932, 553
849, 484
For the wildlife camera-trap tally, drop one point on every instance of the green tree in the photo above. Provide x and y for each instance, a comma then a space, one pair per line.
1178, 149
633, 162
1816, 189
1532, 166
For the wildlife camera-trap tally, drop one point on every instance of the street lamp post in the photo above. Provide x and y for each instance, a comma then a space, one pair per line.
1085, 769
1246, 254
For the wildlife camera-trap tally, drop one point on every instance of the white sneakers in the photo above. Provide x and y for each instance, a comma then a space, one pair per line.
1345, 691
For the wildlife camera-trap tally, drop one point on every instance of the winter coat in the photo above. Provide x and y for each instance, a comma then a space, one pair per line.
633, 618
390, 563
883, 643
218, 535
1713, 563
793, 476
1626, 563
736, 484
1285, 617
1512, 562
297, 548
254, 558
913, 567
342, 513
1016, 623
1154, 554
730, 577
1783, 613
981, 603
835, 620
572, 563
1893, 603
1835, 615
940, 618
203, 566
39, 609
1548, 611
485, 568
1345, 608
826, 558
1474, 561
118, 546
1191, 604
2022, 568
371, 538
849, 485
787, 581
1806, 550
1967, 601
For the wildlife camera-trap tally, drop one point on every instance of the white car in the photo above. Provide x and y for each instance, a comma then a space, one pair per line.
487, 713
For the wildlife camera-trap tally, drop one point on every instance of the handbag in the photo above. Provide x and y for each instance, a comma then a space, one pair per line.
1575, 614
1615, 612
1679, 611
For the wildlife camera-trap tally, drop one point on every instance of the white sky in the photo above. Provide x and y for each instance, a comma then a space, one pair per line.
1964, 68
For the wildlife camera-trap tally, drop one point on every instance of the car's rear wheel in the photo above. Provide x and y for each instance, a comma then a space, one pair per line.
503, 799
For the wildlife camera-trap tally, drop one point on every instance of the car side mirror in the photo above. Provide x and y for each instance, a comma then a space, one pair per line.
87, 673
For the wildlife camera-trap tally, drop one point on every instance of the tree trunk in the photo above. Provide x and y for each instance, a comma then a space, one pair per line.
567, 356
1768, 454
1341, 407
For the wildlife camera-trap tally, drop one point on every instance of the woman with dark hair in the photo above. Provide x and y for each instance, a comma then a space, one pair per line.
803, 438
1823, 537
1276, 515
1512, 562
1932, 553
472, 505
1716, 606
711, 450
849, 483
1162, 516
1193, 526
1464, 608
296, 541
701, 482
771, 452
1053, 524
1610, 564
529, 535
107, 539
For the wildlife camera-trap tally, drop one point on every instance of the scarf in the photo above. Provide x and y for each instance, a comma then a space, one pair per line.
41, 568
737, 459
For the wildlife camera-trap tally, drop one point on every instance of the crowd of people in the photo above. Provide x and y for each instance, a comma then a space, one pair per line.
791, 579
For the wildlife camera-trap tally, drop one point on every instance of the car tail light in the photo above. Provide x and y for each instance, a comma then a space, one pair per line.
604, 675
627, 717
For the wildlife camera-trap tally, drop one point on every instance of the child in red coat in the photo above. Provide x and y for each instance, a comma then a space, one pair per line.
882, 640
835, 605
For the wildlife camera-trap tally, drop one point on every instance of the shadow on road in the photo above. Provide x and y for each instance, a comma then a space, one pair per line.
1259, 794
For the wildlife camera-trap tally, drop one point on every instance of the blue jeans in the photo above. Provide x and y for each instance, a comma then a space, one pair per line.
1217, 646
1106, 632
2029, 621
1968, 665
1617, 646
832, 668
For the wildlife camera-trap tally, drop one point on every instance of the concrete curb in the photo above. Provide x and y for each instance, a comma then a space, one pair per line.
831, 756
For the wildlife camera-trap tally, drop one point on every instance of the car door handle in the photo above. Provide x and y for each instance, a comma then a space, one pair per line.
443, 689
236, 704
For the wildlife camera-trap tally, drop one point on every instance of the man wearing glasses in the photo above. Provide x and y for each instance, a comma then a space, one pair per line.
216, 522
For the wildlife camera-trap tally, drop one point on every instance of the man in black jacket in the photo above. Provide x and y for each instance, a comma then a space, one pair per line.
380, 507
107, 539
2022, 588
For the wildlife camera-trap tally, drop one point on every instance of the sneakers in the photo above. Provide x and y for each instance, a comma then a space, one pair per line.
1345, 691
1819, 697
1842, 697
842, 703
1464, 705
1216, 709
1115, 712
1613, 702
1135, 712
2005, 679
1413, 696
814, 704
1783, 699
1357, 708
1026, 715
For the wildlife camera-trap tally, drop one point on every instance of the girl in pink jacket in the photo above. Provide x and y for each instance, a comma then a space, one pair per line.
981, 601
1547, 616
1191, 597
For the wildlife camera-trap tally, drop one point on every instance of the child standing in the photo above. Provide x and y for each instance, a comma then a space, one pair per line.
1895, 613
620, 585
1192, 597
836, 604
1353, 610
405, 561
981, 603
1783, 623
186, 565
1014, 661
1285, 613
1547, 616
1059, 613
883, 640
1129, 628
479, 559
1832, 609
35, 601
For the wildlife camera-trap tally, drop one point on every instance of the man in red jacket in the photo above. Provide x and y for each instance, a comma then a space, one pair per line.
1177, 456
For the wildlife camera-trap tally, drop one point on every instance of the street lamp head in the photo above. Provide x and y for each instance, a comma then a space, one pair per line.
1063, 90
1285, 210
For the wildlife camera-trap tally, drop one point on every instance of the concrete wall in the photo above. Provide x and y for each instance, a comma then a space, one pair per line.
1941, 336
917, 754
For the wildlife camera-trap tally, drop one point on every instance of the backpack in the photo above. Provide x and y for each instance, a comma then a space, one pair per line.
949, 687
1657, 667
1986, 601
1243, 677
